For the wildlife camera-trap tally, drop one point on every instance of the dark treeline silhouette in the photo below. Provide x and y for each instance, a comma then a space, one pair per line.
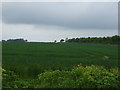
15, 40
112, 40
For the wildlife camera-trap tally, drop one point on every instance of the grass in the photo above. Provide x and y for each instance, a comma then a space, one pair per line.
30, 59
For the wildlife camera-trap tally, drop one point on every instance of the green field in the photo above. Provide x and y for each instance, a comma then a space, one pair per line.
31, 59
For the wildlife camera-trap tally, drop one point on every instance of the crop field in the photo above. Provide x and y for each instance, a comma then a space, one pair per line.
30, 59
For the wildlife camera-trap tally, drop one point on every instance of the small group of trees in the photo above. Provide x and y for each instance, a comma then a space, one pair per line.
15, 40
113, 39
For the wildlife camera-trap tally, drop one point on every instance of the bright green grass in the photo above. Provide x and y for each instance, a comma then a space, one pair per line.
30, 59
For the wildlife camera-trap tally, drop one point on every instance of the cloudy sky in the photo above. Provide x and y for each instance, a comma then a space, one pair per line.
49, 21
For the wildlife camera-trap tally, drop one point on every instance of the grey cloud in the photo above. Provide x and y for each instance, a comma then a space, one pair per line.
71, 15
0, 11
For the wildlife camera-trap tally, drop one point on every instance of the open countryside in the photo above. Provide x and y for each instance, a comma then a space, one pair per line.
60, 44
29, 59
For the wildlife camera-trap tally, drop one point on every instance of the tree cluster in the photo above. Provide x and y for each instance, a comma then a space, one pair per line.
15, 40
113, 40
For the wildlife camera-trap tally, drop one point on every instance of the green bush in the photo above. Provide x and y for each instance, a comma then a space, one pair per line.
11, 80
80, 77
8, 79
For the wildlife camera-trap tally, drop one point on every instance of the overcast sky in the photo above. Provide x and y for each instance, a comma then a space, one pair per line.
49, 21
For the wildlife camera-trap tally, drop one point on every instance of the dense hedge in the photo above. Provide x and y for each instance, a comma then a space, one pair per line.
79, 77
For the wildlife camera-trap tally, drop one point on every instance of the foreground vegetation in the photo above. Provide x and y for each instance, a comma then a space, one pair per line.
79, 77
56, 65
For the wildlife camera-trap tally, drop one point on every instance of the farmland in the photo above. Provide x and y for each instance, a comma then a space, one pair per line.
25, 58
28, 60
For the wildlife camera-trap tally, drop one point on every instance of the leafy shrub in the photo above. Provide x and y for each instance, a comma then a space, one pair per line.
80, 77
11, 80
8, 79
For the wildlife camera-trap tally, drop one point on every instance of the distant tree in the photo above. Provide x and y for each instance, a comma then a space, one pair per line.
62, 40
55, 41
3, 40
16, 40
26, 40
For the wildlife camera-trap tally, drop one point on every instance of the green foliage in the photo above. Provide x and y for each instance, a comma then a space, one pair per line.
110, 40
80, 77
8, 79
11, 80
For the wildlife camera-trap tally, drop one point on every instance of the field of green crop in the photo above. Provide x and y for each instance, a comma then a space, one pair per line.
30, 59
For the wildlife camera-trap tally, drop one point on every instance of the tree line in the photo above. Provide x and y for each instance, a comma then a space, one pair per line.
112, 40
15, 40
